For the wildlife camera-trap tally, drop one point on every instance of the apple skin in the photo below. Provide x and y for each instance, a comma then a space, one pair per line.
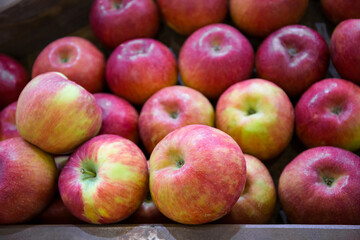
8, 123
260, 18
138, 68
197, 173
258, 115
13, 78
105, 180
119, 117
171, 108
257, 202
56, 114
203, 12
116, 21
339, 10
307, 194
327, 114
75, 57
345, 51
301, 56
215, 57
27, 180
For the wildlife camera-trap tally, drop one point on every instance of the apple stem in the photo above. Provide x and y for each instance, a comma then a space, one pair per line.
84, 171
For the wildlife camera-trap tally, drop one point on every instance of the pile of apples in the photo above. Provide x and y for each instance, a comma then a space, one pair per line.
75, 138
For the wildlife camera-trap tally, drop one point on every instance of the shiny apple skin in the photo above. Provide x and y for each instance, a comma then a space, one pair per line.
13, 78
306, 194
301, 55
339, 10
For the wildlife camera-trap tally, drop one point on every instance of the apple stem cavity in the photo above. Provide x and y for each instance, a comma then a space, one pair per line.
87, 174
336, 110
180, 162
117, 5
174, 115
292, 52
328, 181
251, 111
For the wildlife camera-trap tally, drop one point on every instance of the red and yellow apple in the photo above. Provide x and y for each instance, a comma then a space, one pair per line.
27, 180
258, 115
197, 174
322, 186
105, 180
56, 114
171, 108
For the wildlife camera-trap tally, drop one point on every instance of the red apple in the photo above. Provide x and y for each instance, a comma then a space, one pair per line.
322, 186
197, 173
257, 202
119, 117
138, 68
75, 57
327, 114
215, 57
105, 180
8, 123
171, 108
345, 51
57, 213
340, 10
56, 114
27, 180
258, 115
116, 21
301, 56
186, 16
13, 78
260, 18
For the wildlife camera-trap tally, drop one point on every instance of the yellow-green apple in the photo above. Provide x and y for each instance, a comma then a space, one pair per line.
186, 16
258, 115
197, 174
147, 213
116, 21
105, 180
13, 78
56, 114
301, 56
138, 68
8, 123
215, 57
27, 180
171, 108
257, 202
119, 117
327, 114
340, 10
75, 57
321, 186
260, 18
345, 51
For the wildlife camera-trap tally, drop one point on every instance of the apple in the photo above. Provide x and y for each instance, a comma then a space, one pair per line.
301, 56
75, 57
197, 173
116, 21
215, 57
327, 114
13, 78
56, 114
171, 108
105, 180
322, 186
138, 68
257, 202
258, 115
340, 10
260, 18
8, 123
119, 117
27, 180
202, 12
345, 51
